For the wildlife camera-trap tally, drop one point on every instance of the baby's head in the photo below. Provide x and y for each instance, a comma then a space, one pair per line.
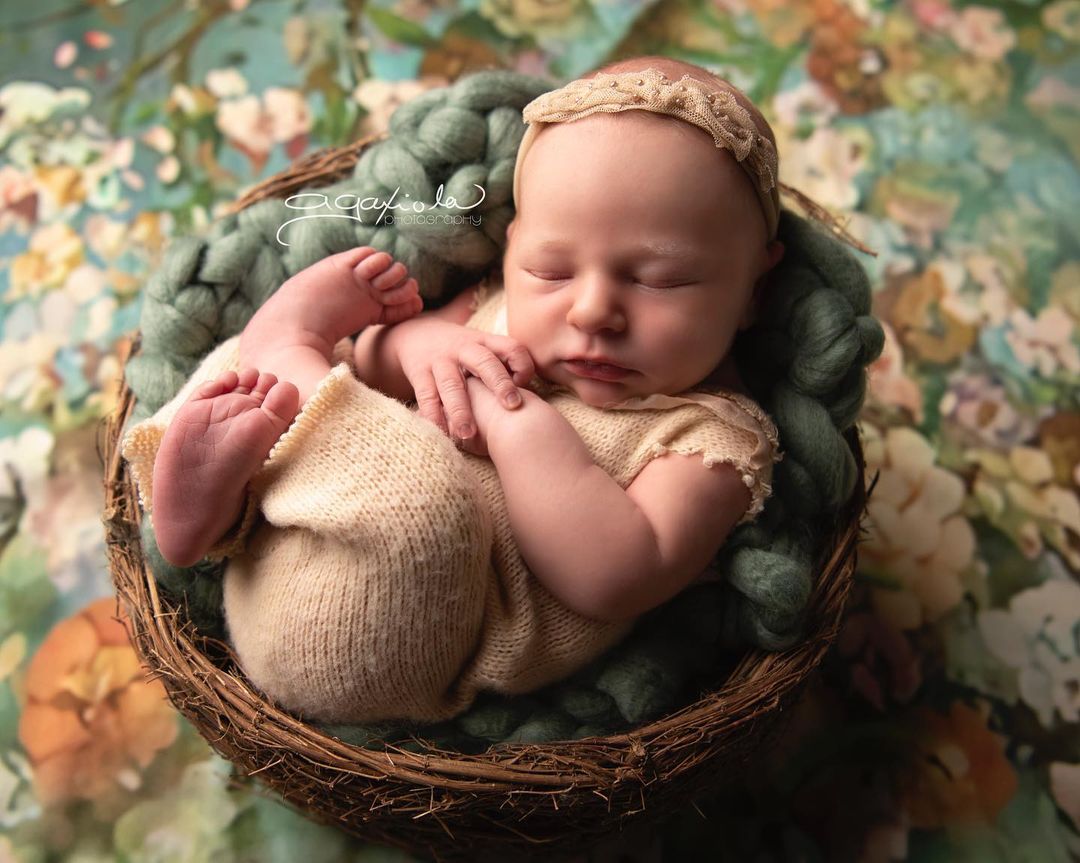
636, 240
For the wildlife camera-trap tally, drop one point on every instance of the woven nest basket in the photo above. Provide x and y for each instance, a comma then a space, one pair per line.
534, 801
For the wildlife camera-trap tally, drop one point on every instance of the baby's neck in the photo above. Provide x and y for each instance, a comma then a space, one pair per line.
724, 377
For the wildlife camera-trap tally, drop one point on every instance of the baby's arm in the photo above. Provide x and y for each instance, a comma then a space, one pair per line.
426, 359
607, 553
376, 354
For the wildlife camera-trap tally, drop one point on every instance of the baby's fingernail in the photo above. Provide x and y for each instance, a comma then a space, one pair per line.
465, 431
512, 400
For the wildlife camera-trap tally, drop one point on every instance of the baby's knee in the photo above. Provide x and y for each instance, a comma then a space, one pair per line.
340, 635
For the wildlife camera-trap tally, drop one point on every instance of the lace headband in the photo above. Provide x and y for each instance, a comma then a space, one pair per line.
719, 113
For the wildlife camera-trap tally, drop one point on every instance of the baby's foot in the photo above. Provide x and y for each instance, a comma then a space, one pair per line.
340, 295
216, 442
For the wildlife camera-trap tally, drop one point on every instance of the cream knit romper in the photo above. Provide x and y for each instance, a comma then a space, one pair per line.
375, 576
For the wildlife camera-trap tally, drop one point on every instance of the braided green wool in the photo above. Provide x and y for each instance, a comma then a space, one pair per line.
206, 290
804, 361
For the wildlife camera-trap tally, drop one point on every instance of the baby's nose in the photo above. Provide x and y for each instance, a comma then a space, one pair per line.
597, 305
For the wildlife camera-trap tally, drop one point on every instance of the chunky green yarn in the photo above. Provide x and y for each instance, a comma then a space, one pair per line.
804, 362
206, 289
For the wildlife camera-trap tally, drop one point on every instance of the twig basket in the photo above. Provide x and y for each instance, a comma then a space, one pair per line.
524, 800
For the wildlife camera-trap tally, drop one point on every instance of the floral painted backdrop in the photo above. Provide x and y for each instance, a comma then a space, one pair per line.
946, 723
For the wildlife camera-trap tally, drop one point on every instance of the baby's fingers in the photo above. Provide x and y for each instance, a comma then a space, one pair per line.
428, 403
479, 360
514, 355
455, 398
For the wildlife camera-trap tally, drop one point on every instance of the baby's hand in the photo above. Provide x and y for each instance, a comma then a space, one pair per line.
492, 418
435, 356
485, 405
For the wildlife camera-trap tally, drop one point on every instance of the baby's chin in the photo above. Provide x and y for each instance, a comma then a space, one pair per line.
599, 394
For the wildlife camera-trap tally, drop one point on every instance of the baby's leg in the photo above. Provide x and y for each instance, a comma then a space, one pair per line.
362, 594
294, 332
216, 442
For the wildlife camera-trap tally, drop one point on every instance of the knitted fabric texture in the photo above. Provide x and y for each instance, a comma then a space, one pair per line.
414, 596
716, 111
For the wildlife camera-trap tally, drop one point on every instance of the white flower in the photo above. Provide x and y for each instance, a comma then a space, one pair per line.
288, 111
807, 103
159, 138
381, 98
226, 83
825, 165
24, 465
25, 104
918, 536
243, 120
168, 169
889, 384
982, 32
183, 96
65, 54
1045, 343
1035, 636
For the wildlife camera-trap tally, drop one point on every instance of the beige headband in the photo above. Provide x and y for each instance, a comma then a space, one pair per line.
718, 113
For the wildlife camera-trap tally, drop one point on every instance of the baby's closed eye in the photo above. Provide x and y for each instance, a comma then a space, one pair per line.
658, 282
548, 277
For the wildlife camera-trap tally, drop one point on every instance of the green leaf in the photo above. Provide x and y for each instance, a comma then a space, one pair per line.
25, 589
401, 29
145, 112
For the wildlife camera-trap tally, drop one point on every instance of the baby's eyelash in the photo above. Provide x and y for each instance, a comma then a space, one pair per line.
666, 286
554, 277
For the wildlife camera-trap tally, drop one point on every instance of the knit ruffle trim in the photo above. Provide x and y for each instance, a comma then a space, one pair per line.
734, 410
319, 407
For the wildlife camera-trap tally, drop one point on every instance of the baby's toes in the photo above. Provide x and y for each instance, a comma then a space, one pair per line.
401, 294
349, 258
246, 379
223, 383
393, 277
402, 311
263, 384
372, 266
282, 402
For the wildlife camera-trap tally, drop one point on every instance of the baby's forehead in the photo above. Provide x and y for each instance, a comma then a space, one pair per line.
644, 135
669, 134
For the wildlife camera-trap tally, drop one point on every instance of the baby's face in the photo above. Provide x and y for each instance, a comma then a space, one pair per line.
637, 241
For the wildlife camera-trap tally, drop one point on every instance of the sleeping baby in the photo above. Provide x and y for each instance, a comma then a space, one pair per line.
488, 495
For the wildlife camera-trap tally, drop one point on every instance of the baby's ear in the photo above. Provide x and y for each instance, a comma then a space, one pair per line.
774, 253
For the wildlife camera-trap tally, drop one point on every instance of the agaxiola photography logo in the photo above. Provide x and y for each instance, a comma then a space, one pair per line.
316, 205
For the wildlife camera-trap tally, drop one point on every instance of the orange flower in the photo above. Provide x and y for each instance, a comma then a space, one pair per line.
91, 718
962, 775
925, 324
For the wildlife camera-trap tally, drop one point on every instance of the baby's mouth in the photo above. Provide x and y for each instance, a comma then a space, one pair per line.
596, 370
